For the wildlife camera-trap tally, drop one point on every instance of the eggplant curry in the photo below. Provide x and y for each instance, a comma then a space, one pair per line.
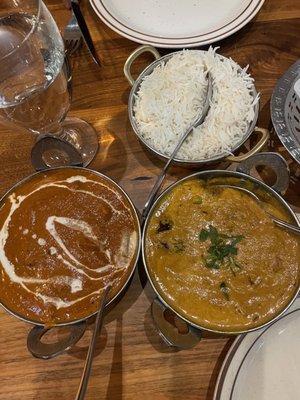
217, 258
64, 235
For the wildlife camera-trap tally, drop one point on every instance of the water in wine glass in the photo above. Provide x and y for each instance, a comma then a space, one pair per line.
33, 84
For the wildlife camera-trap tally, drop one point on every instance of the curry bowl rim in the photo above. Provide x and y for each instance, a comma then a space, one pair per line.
136, 258
215, 173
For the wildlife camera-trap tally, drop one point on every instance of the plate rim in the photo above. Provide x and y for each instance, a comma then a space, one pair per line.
173, 38
182, 42
252, 337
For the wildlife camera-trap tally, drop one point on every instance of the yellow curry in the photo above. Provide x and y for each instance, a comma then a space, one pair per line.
216, 257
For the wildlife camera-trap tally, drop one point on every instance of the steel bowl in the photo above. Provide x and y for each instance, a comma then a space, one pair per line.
160, 305
183, 162
285, 110
77, 327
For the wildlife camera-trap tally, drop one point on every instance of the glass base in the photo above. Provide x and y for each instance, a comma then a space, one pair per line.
77, 144
82, 136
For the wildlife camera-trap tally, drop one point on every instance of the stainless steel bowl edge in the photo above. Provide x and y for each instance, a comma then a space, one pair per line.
180, 162
119, 294
205, 175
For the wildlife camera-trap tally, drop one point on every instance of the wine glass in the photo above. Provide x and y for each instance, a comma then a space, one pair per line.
33, 81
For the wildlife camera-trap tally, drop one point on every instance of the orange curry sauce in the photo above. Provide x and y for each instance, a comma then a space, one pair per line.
216, 257
64, 235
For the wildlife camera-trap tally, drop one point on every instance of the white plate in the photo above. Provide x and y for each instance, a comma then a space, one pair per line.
264, 364
176, 23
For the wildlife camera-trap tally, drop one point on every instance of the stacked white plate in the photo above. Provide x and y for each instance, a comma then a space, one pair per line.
265, 364
176, 23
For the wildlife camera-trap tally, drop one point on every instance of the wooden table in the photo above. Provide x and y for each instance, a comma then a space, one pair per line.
131, 360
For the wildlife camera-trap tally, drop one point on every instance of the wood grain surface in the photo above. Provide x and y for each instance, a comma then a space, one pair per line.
131, 360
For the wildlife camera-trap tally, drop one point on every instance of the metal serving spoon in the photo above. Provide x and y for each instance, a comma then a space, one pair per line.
277, 221
198, 121
89, 358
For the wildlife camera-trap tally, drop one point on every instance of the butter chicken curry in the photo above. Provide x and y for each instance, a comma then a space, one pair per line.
64, 235
216, 257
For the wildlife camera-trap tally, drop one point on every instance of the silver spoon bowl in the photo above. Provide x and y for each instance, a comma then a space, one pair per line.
277, 221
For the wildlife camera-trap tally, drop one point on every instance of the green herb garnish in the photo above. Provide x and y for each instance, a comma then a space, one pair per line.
225, 290
197, 200
222, 250
203, 235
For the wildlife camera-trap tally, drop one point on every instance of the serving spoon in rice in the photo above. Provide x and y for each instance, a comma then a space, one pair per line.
277, 221
197, 122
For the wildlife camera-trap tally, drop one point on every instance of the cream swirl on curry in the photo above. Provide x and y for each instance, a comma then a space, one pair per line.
64, 235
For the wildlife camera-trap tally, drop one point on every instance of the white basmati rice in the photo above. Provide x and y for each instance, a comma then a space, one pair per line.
170, 98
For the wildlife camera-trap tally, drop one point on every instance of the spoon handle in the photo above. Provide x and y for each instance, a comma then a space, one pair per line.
286, 225
163, 173
89, 358
153, 193
161, 176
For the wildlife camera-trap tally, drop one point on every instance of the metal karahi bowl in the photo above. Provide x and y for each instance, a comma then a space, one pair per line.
160, 304
184, 162
78, 326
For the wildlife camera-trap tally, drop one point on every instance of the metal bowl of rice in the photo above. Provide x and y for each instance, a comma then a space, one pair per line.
169, 93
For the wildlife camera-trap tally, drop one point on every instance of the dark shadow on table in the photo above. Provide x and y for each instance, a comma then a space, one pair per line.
80, 351
153, 336
113, 313
126, 301
115, 384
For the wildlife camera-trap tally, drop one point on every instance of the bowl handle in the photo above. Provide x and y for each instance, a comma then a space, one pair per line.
178, 333
133, 56
273, 160
49, 350
265, 135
